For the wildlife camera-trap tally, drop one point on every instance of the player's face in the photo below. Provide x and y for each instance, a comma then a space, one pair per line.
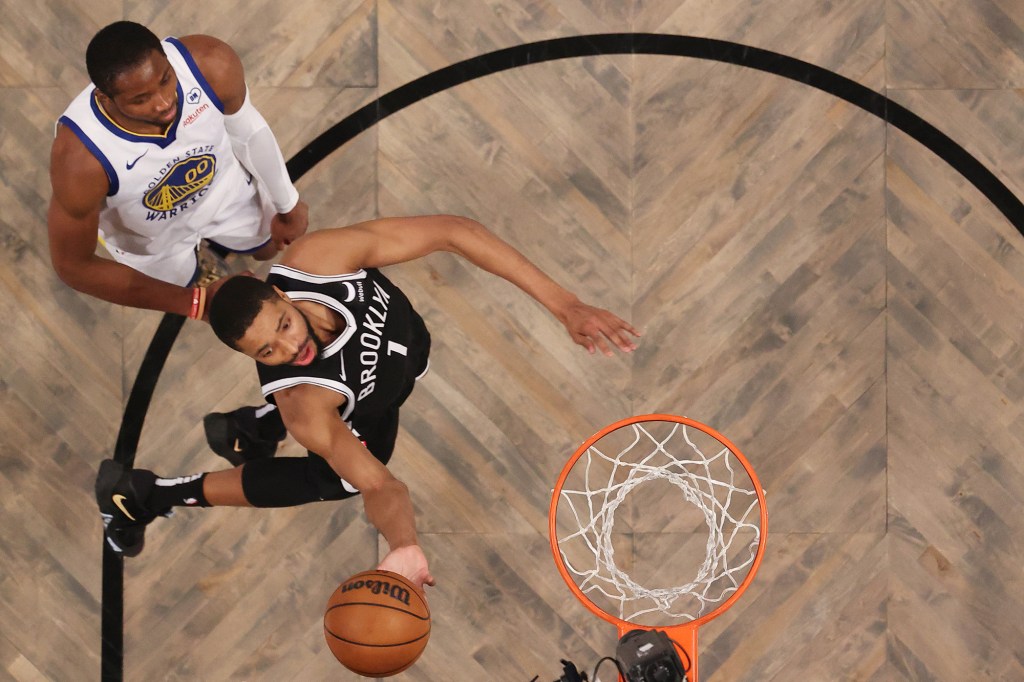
280, 335
148, 93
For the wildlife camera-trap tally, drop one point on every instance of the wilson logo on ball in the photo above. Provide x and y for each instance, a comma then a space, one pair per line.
397, 592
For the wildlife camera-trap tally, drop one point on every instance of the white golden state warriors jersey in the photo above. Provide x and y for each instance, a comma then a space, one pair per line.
167, 191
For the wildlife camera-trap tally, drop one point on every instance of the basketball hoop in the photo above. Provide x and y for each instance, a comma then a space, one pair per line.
690, 539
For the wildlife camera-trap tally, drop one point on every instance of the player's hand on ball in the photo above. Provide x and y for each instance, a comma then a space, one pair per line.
409, 561
287, 227
597, 329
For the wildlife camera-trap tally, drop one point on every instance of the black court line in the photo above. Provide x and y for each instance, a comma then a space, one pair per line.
112, 668
112, 620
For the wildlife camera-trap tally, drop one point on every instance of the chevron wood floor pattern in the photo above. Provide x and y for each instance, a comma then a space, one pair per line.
810, 281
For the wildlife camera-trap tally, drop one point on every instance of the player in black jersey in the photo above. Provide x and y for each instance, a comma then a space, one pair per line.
339, 349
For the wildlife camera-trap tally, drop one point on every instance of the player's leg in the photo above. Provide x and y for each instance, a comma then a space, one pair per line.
130, 499
291, 481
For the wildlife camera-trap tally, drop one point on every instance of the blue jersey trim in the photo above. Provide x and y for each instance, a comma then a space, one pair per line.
112, 180
161, 140
241, 251
194, 68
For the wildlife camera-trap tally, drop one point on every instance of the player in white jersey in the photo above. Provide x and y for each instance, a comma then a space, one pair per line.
162, 150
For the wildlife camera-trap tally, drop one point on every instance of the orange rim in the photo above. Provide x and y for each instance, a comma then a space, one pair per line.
684, 631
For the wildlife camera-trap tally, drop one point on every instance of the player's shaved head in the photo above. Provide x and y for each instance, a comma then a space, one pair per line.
236, 305
118, 48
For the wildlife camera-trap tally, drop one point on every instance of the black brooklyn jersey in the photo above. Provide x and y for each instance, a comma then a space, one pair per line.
375, 360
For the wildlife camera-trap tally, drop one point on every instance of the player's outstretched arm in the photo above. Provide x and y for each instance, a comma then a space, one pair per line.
252, 140
311, 415
79, 186
395, 240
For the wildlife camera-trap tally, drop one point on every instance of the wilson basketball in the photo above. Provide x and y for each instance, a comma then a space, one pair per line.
377, 623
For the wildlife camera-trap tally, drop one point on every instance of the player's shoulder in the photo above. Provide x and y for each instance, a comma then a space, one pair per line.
70, 156
204, 47
221, 67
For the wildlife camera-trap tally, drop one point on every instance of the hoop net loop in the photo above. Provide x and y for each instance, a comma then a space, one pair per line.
684, 504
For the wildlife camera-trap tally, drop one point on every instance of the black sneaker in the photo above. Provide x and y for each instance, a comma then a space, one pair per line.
240, 437
120, 493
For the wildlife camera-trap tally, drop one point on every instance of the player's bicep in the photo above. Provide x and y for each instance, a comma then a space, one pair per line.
70, 231
397, 240
374, 244
79, 186
310, 413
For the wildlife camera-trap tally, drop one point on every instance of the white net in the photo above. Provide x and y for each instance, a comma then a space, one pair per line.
663, 531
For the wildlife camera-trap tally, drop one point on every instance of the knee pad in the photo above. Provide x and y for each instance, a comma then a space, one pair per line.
291, 481
329, 485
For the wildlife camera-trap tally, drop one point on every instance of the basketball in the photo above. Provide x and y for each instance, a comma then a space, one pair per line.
377, 623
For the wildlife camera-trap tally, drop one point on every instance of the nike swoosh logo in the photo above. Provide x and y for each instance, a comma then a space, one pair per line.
131, 165
119, 501
237, 449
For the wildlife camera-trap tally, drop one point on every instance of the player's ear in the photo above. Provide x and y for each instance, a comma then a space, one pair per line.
104, 99
282, 294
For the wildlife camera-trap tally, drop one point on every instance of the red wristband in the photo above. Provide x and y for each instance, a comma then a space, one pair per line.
202, 303
193, 313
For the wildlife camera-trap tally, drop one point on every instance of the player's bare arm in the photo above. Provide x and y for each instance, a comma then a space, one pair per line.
79, 187
378, 243
311, 415
251, 138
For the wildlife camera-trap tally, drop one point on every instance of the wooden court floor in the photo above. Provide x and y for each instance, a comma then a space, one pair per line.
811, 281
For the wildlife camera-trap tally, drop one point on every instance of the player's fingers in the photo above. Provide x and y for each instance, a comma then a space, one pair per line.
622, 341
618, 324
582, 340
612, 332
602, 346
